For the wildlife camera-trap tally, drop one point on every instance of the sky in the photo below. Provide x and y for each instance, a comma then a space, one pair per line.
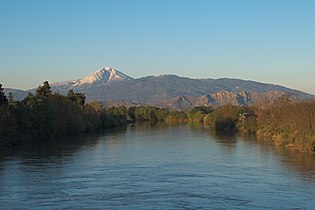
270, 41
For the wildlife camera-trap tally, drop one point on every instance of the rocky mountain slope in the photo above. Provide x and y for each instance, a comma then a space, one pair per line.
111, 86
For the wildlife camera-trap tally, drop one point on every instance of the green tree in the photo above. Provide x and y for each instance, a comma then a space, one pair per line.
44, 90
11, 101
77, 98
37, 117
223, 118
5, 117
3, 98
131, 113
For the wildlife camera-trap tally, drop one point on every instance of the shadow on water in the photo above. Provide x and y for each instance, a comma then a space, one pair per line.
57, 150
154, 126
223, 139
299, 163
304, 164
66, 146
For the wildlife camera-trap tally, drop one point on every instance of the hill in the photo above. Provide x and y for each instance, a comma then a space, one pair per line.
111, 86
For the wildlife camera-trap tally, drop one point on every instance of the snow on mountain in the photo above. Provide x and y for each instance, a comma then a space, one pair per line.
103, 75
64, 83
106, 74
111, 86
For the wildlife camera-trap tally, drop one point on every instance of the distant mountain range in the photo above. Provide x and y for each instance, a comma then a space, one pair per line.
113, 87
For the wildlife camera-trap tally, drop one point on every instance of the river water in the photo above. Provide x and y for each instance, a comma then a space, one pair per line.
157, 166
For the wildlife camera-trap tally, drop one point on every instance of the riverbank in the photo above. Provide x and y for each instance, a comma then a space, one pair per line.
46, 116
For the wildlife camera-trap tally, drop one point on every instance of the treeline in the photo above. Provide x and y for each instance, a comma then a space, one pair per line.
286, 122
225, 118
44, 115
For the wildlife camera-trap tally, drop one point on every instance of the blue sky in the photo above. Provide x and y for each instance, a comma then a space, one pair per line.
269, 41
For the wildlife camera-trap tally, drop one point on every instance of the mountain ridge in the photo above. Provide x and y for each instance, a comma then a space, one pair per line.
111, 86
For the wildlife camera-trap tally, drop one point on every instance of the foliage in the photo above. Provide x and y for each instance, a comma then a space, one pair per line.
288, 123
176, 116
44, 90
3, 98
6, 114
45, 116
197, 114
223, 118
77, 98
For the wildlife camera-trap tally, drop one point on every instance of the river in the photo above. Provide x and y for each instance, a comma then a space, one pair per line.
157, 166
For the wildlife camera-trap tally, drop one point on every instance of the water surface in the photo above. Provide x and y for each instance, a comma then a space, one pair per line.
157, 167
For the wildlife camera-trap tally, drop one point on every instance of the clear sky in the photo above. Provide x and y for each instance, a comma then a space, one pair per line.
269, 41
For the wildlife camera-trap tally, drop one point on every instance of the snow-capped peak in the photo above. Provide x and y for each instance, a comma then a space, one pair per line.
103, 75
108, 68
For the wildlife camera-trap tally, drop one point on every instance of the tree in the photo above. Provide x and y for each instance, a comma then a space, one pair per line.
3, 98
4, 113
37, 116
68, 115
77, 98
223, 118
44, 90
11, 99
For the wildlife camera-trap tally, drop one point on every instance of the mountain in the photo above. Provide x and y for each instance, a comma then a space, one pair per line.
111, 87
17, 94
101, 76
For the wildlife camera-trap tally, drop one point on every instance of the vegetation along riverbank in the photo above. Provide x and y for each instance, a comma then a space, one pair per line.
44, 116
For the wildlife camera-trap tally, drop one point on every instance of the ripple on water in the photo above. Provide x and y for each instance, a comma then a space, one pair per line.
180, 168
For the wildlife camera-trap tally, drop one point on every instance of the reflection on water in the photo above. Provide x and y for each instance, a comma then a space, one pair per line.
300, 163
156, 166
